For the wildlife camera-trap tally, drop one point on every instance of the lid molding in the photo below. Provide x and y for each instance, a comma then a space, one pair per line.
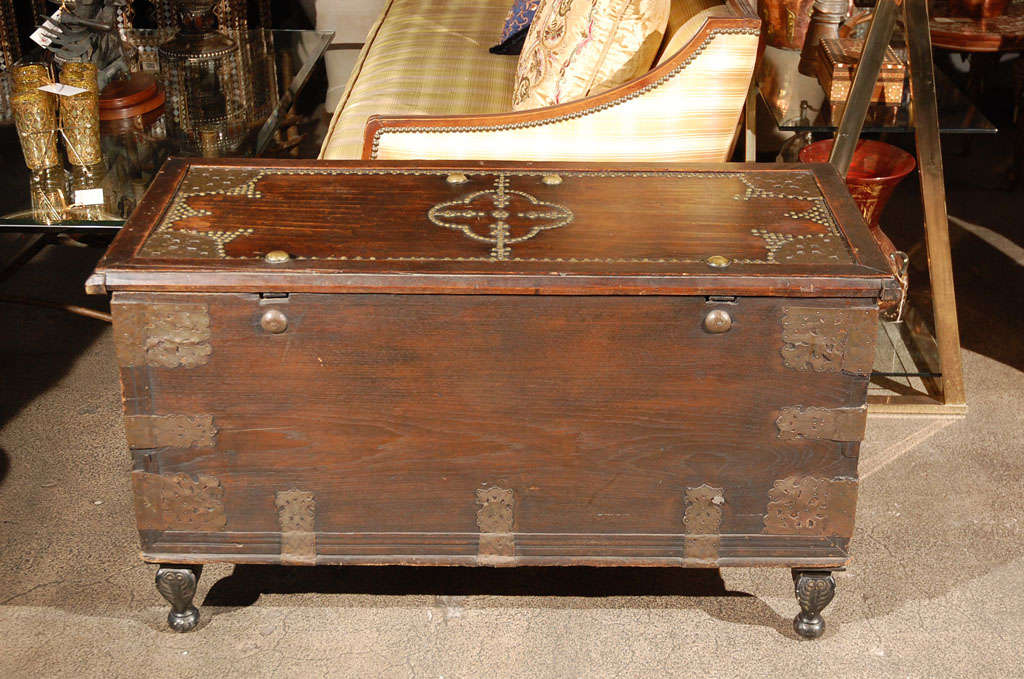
504, 228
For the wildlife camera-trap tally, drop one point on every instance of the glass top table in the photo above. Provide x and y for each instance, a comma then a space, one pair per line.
908, 374
245, 98
957, 114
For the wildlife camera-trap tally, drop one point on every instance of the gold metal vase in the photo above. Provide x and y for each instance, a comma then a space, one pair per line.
81, 74
80, 121
29, 77
35, 117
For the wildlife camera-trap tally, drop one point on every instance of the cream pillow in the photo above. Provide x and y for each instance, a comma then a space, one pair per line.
688, 29
576, 48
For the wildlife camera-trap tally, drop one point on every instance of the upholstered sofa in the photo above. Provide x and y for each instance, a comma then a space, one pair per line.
426, 87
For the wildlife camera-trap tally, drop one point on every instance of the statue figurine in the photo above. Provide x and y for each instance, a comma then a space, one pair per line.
88, 30
790, 151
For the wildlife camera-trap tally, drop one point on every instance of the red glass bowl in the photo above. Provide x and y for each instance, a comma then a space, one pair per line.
877, 168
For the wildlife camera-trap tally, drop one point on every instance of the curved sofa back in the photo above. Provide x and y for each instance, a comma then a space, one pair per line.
684, 110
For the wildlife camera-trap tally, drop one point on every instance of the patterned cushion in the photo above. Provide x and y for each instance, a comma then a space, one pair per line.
517, 25
576, 48
519, 17
425, 57
677, 37
689, 117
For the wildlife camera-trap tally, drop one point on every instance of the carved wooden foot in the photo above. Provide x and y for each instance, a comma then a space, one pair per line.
814, 591
177, 584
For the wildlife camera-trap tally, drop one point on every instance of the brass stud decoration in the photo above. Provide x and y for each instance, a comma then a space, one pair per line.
274, 321
175, 239
276, 257
502, 209
718, 321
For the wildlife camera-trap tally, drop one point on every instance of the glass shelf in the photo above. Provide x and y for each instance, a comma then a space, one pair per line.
906, 358
906, 377
276, 65
957, 115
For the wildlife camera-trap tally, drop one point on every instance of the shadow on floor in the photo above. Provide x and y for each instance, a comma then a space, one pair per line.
39, 345
989, 316
700, 588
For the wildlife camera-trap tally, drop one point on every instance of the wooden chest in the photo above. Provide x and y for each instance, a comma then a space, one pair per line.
494, 364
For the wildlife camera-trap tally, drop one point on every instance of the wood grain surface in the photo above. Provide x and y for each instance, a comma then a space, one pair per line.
392, 410
495, 363
359, 227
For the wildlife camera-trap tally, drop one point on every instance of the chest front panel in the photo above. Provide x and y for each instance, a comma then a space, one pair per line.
374, 428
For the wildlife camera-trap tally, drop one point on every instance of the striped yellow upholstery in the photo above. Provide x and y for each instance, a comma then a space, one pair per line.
683, 10
425, 57
429, 57
683, 33
690, 117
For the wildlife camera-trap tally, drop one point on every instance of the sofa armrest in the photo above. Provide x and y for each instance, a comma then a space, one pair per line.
685, 109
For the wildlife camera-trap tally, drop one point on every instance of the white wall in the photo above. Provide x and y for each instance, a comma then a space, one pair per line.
350, 20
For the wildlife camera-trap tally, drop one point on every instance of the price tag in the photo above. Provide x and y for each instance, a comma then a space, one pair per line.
62, 89
89, 197
41, 37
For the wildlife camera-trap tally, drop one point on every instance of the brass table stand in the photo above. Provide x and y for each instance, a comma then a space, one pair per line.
950, 399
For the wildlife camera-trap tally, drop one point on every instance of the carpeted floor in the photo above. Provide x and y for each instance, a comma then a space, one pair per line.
936, 588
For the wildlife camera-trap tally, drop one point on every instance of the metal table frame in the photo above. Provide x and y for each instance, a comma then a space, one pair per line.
952, 398
948, 397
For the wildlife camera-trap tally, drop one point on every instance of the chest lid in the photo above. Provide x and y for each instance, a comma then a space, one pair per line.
487, 227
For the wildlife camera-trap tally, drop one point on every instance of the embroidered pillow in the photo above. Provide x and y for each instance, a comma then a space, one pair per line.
517, 23
576, 48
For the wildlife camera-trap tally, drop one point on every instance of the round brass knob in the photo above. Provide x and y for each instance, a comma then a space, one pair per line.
457, 178
717, 321
276, 257
551, 179
274, 321
718, 261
